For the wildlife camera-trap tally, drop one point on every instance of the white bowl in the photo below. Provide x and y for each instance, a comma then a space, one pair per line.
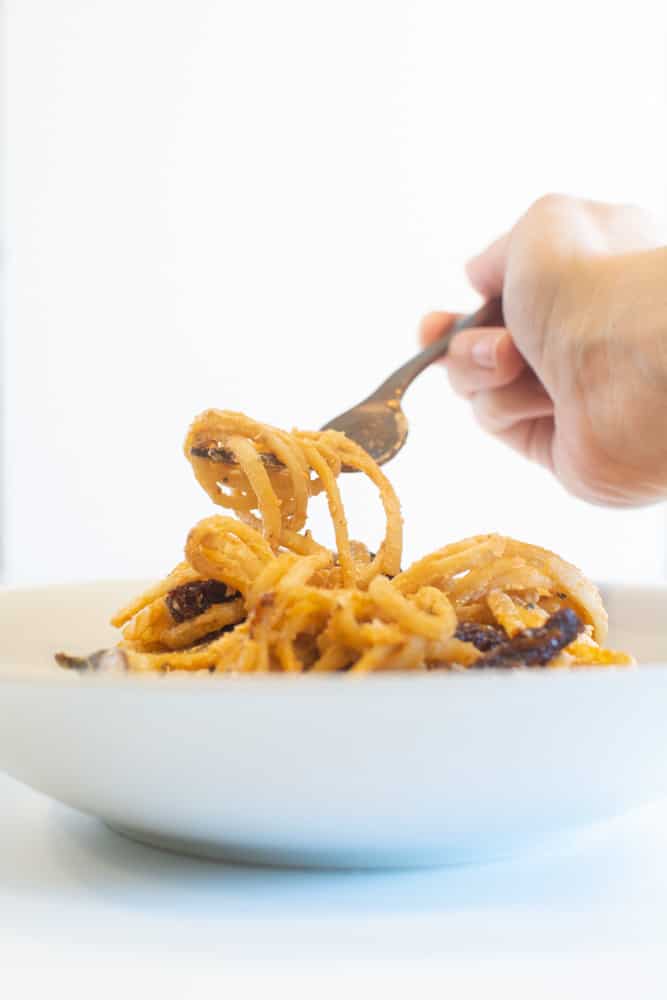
385, 770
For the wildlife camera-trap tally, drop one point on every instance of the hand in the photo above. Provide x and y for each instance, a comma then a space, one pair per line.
578, 380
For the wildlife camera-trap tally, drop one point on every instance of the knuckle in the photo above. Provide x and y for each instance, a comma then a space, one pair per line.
460, 383
487, 411
551, 202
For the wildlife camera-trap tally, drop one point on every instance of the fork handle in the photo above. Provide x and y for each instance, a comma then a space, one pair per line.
490, 314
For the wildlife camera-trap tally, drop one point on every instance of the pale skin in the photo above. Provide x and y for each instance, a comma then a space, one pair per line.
578, 380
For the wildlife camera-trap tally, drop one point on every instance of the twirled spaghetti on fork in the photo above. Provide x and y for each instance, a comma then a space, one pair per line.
257, 593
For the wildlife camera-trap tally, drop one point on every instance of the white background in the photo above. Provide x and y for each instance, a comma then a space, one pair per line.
88, 914
249, 205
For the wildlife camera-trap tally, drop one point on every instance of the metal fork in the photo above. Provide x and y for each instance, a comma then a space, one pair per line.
378, 423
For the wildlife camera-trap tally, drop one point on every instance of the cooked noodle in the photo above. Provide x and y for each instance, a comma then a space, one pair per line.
257, 593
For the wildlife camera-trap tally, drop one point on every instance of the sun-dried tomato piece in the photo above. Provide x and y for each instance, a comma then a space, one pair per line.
192, 599
535, 647
483, 637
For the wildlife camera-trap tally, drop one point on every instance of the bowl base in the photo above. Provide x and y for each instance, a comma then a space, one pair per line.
301, 857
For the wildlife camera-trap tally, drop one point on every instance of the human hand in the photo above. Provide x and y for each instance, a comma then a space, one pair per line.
578, 380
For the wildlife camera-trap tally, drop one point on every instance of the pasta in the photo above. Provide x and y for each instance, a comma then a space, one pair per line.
257, 593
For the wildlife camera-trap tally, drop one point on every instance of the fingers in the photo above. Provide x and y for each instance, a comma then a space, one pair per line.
520, 415
477, 359
500, 410
534, 439
486, 271
433, 325
482, 359
485, 366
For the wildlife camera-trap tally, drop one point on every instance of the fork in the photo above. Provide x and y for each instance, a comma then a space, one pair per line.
378, 422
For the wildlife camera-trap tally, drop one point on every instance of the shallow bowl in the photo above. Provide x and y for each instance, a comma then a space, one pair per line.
385, 770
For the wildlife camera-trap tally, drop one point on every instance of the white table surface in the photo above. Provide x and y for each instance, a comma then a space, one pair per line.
82, 908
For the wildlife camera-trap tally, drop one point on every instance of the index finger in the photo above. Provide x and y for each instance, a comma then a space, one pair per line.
434, 324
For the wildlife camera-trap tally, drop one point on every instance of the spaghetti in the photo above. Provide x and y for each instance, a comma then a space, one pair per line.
256, 592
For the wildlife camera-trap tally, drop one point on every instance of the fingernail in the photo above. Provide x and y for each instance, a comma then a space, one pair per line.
485, 349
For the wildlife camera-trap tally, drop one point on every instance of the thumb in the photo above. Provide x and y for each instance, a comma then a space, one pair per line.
486, 271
